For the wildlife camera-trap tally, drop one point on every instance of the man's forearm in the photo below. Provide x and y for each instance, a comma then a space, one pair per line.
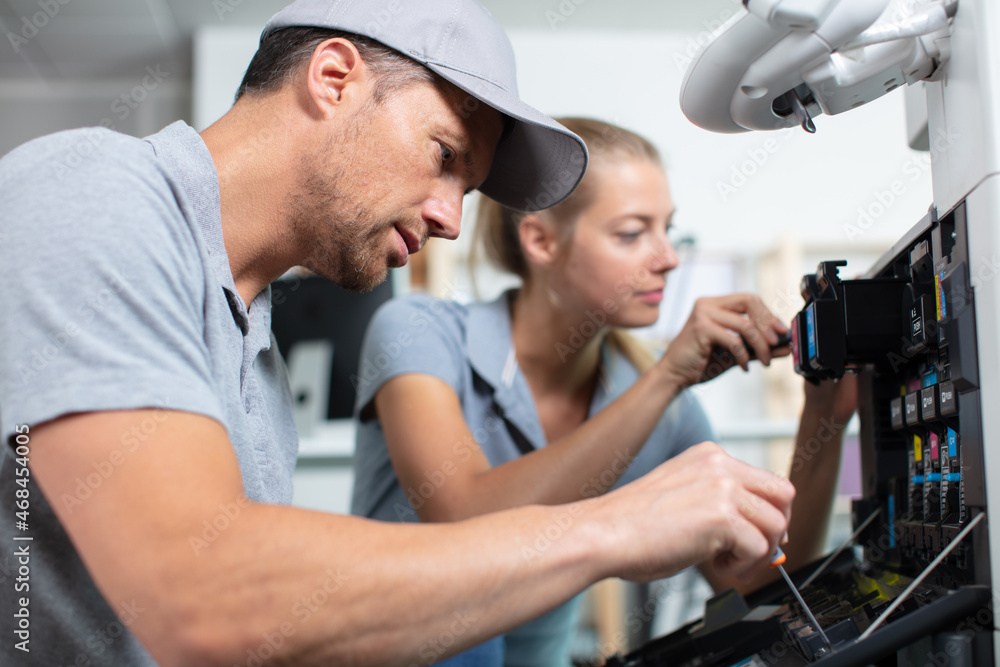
321, 589
217, 579
224, 581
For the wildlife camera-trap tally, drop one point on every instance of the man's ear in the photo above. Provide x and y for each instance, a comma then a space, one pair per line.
539, 240
336, 75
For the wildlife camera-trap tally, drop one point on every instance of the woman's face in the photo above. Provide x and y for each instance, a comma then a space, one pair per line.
616, 262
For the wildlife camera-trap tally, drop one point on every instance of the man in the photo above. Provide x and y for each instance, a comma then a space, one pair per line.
146, 408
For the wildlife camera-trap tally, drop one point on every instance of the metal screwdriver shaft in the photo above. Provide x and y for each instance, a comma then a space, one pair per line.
776, 561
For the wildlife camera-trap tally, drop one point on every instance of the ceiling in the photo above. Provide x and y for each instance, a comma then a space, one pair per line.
73, 39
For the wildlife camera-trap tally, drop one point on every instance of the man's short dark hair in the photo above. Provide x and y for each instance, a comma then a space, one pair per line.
284, 51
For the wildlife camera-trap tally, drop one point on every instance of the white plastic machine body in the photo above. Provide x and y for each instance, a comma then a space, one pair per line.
844, 58
854, 52
963, 110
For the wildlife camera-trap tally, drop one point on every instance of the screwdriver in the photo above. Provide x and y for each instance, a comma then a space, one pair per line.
776, 561
724, 356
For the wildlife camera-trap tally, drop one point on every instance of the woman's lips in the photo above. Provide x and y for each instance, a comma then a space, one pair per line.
651, 296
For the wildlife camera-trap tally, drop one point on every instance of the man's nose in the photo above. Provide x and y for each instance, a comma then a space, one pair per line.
443, 214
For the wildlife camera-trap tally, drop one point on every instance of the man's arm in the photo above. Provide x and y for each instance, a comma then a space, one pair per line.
327, 589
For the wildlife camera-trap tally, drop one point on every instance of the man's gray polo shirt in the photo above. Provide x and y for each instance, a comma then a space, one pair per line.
118, 295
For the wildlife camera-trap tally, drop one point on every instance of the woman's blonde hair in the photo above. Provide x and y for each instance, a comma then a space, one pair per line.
496, 231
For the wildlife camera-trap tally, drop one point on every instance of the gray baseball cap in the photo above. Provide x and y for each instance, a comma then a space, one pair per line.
538, 163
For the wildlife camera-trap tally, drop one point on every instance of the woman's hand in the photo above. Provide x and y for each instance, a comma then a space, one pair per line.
833, 399
710, 342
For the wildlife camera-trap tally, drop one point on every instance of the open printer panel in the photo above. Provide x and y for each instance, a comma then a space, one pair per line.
908, 329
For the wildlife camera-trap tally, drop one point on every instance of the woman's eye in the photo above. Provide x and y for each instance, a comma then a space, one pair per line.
629, 237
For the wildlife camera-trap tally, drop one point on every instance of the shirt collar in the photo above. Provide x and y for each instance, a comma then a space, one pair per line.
491, 343
491, 355
190, 165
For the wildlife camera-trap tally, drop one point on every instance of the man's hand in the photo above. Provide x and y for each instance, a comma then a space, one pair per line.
718, 323
814, 469
701, 506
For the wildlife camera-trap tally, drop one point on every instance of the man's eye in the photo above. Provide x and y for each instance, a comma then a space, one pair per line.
447, 155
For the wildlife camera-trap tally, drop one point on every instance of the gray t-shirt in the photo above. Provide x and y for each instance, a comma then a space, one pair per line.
118, 295
470, 348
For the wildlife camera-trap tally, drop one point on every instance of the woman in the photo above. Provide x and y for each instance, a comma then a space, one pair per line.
540, 397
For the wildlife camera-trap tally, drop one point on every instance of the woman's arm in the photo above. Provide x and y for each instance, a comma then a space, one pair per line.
429, 441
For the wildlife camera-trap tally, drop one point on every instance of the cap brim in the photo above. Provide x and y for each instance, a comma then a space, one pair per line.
538, 163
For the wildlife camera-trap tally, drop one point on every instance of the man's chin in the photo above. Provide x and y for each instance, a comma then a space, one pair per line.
360, 282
